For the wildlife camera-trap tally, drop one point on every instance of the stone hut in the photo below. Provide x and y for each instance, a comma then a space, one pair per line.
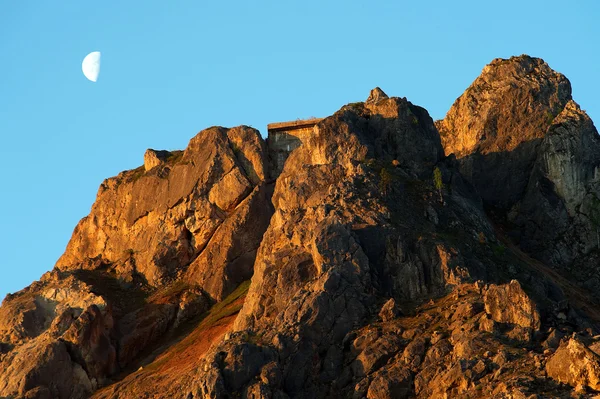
285, 137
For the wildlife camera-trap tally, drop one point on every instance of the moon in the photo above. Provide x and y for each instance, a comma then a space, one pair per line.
91, 66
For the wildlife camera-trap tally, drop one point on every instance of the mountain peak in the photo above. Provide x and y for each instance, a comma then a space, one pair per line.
376, 95
511, 102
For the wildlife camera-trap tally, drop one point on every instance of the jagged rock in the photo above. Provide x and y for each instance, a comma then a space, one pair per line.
437, 352
453, 382
154, 158
496, 125
466, 310
510, 304
228, 258
88, 338
143, 327
390, 310
553, 340
465, 345
487, 324
161, 220
560, 210
34, 310
377, 354
573, 363
376, 95
40, 367
391, 383
414, 353
514, 100
533, 155
255, 361
230, 190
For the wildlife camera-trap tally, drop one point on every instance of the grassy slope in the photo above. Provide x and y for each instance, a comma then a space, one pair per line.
175, 361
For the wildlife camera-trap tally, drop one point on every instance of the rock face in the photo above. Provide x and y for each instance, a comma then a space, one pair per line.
364, 262
495, 127
160, 243
62, 326
558, 215
512, 102
533, 155
150, 226
320, 216
342, 236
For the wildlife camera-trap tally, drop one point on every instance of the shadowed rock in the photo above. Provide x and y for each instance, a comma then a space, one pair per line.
533, 155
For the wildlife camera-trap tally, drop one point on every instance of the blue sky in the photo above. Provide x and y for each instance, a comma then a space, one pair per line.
172, 68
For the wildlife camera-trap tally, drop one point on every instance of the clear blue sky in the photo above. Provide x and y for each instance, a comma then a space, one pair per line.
172, 68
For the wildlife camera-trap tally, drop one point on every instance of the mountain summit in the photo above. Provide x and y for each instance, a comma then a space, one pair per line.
373, 253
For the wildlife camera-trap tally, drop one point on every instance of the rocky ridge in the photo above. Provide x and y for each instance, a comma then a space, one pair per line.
392, 257
532, 154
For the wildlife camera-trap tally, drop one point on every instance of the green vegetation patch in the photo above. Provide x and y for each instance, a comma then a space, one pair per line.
136, 173
227, 307
356, 105
498, 249
549, 117
385, 181
175, 157
222, 309
169, 292
437, 179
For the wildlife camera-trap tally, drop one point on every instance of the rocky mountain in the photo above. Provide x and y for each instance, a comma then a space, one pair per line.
390, 257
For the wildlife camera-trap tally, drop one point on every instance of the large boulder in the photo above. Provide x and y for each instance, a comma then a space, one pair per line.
513, 309
575, 364
508, 303
154, 158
